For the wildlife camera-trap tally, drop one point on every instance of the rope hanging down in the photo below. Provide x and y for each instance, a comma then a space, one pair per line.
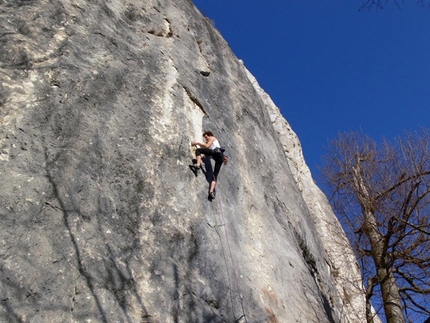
232, 260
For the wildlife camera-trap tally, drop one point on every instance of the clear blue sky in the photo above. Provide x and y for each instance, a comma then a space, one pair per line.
330, 67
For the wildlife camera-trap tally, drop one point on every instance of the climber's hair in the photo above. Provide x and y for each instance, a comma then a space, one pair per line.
209, 133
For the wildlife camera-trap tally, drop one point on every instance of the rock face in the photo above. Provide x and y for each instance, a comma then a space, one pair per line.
101, 218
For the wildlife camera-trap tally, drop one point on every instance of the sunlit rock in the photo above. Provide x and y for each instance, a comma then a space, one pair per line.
101, 218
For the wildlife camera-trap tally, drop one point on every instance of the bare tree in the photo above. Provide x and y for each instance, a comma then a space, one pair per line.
380, 4
381, 194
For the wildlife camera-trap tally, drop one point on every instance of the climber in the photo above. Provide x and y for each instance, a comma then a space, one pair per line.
210, 148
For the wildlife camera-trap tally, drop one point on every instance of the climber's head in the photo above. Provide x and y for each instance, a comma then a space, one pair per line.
207, 134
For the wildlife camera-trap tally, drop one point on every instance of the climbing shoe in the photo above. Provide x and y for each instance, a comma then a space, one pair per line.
195, 169
212, 195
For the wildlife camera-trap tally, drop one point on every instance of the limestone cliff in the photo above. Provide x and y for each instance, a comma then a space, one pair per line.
101, 218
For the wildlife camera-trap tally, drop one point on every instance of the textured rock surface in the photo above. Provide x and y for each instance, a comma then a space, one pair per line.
101, 219
341, 260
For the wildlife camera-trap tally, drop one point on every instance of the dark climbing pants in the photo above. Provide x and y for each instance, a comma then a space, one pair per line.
217, 156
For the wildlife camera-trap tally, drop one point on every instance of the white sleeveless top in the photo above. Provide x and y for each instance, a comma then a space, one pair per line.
215, 144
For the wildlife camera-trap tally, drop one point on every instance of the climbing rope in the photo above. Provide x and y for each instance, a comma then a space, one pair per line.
232, 260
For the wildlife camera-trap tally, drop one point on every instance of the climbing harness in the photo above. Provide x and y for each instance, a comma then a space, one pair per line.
232, 261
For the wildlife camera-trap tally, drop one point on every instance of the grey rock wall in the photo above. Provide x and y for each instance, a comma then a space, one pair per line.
101, 218
340, 257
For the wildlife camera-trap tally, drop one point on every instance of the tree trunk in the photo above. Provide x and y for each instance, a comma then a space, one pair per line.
386, 279
369, 311
390, 296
